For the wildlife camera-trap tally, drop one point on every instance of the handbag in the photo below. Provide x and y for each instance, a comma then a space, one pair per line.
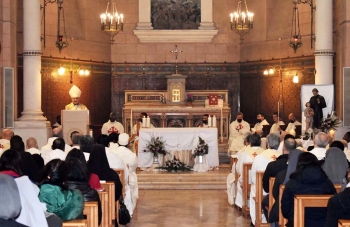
124, 215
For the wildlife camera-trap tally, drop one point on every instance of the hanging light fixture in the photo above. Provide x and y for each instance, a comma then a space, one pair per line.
112, 22
241, 21
269, 70
60, 43
295, 40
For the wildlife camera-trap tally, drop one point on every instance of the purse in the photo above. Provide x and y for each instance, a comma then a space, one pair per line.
124, 215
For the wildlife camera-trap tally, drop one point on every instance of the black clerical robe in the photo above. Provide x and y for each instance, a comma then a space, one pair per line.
317, 103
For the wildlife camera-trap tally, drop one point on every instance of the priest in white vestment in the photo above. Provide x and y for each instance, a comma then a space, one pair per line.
130, 159
292, 123
57, 151
56, 133
112, 125
259, 164
231, 178
261, 121
275, 128
136, 129
75, 94
237, 129
204, 123
247, 156
32, 146
6, 136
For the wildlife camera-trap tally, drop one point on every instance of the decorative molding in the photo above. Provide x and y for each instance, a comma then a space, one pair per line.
324, 52
32, 53
175, 36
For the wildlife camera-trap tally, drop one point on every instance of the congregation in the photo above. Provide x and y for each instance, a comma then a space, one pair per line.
318, 166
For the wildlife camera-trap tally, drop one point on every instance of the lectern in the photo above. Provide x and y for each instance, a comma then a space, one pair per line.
74, 120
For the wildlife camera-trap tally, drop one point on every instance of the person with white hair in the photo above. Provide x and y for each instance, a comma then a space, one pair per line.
259, 164
75, 94
320, 142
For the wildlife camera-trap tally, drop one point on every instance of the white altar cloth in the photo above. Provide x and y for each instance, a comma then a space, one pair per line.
178, 140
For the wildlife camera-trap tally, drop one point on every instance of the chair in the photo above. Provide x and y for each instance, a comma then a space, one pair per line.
303, 201
109, 187
75, 223
245, 189
258, 200
266, 130
91, 212
104, 205
343, 223
271, 199
281, 220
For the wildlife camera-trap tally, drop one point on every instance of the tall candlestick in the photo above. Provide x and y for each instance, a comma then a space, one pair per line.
209, 121
214, 121
143, 122
221, 126
131, 124
148, 122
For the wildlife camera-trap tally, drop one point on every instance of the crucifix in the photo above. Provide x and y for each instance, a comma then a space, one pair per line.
176, 51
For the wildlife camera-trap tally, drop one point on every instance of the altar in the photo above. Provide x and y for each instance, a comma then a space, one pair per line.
179, 143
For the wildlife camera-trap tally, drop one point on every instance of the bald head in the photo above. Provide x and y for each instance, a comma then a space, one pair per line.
31, 143
291, 116
7, 134
57, 132
321, 140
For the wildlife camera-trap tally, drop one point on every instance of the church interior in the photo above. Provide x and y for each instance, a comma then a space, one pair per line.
256, 69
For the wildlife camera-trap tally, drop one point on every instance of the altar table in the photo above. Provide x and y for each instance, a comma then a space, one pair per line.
178, 141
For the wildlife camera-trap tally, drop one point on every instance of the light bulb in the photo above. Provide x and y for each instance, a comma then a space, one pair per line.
81, 72
296, 79
86, 72
61, 71
266, 72
271, 71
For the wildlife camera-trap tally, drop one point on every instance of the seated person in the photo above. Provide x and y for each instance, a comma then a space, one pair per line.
204, 123
335, 165
308, 178
258, 127
66, 203
292, 123
320, 142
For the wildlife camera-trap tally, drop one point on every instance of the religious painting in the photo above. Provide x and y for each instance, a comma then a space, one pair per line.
175, 14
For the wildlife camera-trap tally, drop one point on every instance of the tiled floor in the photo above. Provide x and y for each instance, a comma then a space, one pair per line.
175, 208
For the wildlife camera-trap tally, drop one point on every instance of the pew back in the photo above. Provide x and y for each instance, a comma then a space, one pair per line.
343, 223
91, 212
245, 188
109, 187
75, 223
271, 199
258, 200
104, 205
281, 220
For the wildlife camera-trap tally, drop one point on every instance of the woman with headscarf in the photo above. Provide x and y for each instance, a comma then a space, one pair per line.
282, 178
66, 203
98, 164
308, 178
94, 180
78, 179
335, 165
10, 196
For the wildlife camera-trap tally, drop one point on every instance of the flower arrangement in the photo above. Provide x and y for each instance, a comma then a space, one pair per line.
175, 165
156, 146
189, 98
201, 149
331, 122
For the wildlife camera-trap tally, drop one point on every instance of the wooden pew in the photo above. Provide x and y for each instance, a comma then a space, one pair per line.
75, 223
271, 199
122, 179
258, 200
245, 189
281, 220
91, 212
109, 187
343, 223
303, 201
337, 187
104, 205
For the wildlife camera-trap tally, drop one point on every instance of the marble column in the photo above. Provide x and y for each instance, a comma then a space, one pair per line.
32, 122
207, 15
324, 42
144, 15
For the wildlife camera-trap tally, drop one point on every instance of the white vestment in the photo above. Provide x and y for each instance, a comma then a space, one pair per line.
48, 146
130, 159
4, 145
237, 130
33, 150
292, 126
33, 211
275, 127
259, 126
53, 154
259, 164
247, 156
110, 127
319, 152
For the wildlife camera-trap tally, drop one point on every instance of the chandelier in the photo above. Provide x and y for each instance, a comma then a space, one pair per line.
242, 21
112, 22
295, 40
61, 41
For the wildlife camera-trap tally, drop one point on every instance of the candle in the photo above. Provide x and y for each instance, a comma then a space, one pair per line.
91, 133
122, 17
214, 121
148, 122
209, 121
131, 124
143, 122
221, 126
331, 133
231, 15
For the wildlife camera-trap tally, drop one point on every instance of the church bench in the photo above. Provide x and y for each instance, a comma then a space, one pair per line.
75, 223
337, 187
281, 220
271, 199
122, 179
303, 201
258, 200
91, 212
109, 187
104, 205
245, 188
343, 223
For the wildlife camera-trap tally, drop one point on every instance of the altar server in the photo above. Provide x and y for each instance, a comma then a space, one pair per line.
292, 123
275, 128
112, 125
204, 123
261, 121
75, 94
237, 129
